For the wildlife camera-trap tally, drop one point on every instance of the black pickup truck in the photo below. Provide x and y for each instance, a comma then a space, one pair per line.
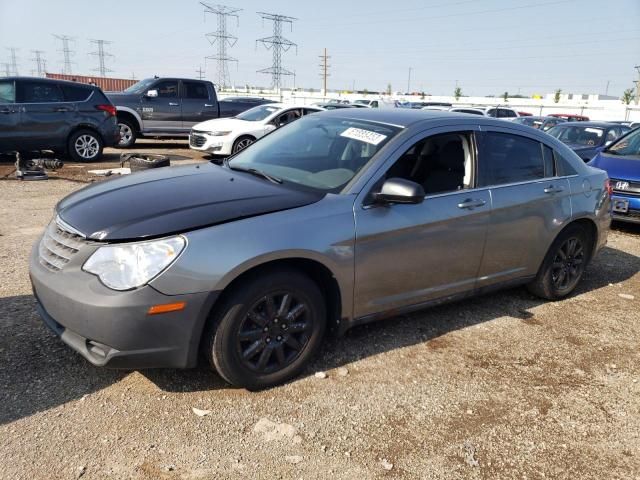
169, 107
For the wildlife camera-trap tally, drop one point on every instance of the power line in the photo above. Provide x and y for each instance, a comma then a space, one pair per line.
102, 55
324, 67
13, 63
67, 53
223, 39
40, 69
277, 44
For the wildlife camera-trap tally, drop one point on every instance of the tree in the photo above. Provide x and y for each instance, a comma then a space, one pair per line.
422, 95
365, 92
627, 96
556, 97
505, 96
457, 93
388, 89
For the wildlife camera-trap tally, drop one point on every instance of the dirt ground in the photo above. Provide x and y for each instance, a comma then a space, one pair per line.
499, 387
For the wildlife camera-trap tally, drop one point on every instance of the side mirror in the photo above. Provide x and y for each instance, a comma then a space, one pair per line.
151, 94
399, 190
608, 143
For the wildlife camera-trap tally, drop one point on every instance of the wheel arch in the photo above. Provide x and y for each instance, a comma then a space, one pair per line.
128, 114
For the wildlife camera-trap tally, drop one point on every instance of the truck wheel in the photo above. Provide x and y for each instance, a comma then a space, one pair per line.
267, 330
85, 146
242, 143
127, 133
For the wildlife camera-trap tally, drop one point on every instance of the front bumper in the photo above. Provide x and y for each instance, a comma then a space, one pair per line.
632, 215
112, 328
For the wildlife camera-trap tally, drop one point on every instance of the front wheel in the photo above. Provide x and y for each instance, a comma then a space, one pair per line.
85, 146
564, 264
242, 143
267, 330
127, 133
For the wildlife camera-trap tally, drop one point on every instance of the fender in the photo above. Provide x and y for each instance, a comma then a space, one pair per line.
135, 114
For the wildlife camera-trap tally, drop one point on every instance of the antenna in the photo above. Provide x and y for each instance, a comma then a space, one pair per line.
222, 38
67, 53
40, 63
277, 44
102, 55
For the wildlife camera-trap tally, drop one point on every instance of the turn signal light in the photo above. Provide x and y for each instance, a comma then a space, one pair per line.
166, 308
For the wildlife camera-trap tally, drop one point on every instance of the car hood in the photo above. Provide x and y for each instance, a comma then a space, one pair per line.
172, 200
617, 166
226, 124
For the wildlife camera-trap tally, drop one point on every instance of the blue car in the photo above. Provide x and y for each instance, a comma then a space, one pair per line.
588, 138
621, 160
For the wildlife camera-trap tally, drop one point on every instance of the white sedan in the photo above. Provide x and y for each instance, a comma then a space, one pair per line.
226, 136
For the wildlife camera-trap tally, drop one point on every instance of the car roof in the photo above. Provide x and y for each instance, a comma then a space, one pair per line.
49, 80
590, 124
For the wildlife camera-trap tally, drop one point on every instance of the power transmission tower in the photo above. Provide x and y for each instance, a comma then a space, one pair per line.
67, 53
40, 69
324, 70
200, 73
102, 54
277, 44
223, 39
637, 67
14, 61
7, 69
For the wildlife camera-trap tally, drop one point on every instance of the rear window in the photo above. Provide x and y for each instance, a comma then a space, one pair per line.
74, 93
7, 92
195, 90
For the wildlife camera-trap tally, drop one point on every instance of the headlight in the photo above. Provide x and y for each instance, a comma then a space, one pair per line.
219, 134
127, 266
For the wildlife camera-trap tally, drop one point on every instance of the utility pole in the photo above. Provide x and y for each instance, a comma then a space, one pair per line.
102, 55
324, 71
223, 39
67, 53
14, 61
200, 73
637, 67
409, 82
606, 90
39, 70
277, 44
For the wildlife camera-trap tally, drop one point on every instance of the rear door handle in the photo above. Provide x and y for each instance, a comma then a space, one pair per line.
172, 104
551, 189
208, 105
63, 109
471, 203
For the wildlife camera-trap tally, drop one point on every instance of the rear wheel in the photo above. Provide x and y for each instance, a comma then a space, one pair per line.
242, 143
85, 146
564, 264
267, 330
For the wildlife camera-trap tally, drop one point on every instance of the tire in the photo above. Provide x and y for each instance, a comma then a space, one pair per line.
85, 145
128, 133
139, 162
241, 143
277, 338
564, 264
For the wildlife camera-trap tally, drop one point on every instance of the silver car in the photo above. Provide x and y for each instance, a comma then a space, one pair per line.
335, 220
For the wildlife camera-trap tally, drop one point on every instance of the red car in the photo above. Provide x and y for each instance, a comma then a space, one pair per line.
570, 117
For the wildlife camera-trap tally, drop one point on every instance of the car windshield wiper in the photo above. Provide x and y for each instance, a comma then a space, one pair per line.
256, 172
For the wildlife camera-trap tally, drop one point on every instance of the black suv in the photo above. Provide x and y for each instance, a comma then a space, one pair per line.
66, 117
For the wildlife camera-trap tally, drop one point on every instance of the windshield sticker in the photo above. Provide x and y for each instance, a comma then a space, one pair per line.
366, 136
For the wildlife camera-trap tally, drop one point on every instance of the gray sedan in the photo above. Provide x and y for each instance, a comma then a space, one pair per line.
335, 220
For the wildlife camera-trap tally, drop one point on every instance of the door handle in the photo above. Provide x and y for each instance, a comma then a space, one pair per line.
173, 104
553, 189
7, 110
62, 109
471, 203
208, 105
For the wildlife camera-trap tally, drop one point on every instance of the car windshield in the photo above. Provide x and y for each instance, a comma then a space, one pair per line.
256, 114
578, 135
318, 152
629, 145
141, 86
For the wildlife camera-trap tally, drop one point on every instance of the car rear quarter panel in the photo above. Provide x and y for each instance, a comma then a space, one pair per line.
215, 256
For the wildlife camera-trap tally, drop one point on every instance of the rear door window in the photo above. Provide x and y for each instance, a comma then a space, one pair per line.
506, 158
7, 91
195, 90
76, 94
39, 92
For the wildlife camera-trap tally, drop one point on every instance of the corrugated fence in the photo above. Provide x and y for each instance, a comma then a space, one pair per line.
105, 83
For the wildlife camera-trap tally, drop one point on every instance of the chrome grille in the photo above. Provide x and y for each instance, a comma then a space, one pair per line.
197, 140
625, 186
58, 246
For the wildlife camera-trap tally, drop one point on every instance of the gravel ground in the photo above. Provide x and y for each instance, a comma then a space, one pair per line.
503, 386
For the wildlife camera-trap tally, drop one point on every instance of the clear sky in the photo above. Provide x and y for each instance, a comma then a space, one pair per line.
487, 46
